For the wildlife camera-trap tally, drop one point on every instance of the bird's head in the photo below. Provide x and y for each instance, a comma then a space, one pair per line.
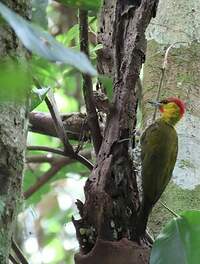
172, 109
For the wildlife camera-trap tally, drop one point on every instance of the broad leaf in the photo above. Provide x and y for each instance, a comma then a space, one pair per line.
43, 44
37, 96
179, 241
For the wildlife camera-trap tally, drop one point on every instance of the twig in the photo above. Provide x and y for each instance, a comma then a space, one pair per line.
43, 148
59, 124
75, 156
53, 109
170, 210
84, 161
163, 69
87, 85
13, 260
19, 253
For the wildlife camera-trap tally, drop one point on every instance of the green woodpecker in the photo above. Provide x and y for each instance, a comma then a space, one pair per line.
159, 147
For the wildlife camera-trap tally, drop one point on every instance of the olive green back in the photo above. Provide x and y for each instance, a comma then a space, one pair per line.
159, 144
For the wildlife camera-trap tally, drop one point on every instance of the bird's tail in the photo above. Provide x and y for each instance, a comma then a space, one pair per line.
142, 219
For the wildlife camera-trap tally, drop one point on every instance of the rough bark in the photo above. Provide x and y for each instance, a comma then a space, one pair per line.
176, 21
109, 212
13, 124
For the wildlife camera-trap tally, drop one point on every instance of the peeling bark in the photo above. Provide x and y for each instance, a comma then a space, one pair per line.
110, 210
13, 128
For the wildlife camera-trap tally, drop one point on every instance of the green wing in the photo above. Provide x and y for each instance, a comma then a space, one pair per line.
159, 147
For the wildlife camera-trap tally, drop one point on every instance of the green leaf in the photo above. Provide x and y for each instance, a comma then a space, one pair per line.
43, 44
97, 47
108, 85
37, 96
179, 241
84, 4
71, 34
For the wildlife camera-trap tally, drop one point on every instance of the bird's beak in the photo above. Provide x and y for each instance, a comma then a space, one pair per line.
155, 103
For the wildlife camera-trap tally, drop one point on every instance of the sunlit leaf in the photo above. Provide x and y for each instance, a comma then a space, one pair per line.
108, 85
179, 241
84, 4
71, 34
43, 44
37, 96
97, 47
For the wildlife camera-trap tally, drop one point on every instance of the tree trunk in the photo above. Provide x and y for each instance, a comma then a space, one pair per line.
13, 129
176, 21
106, 230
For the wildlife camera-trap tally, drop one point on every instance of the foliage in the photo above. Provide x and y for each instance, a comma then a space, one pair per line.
85, 4
179, 241
38, 96
43, 44
50, 66
107, 83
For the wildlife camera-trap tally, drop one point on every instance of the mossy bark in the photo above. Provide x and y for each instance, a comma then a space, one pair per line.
13, 128
181, 80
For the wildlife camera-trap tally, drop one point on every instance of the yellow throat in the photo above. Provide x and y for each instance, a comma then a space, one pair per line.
170, 113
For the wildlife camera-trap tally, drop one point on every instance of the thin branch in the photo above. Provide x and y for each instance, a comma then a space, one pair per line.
87, 85
13, 260
40, 159
84, 161
59, 124
163, 69
75, 156
19, 253
53, 109
43, 123
55, 168
170, 210
43, 148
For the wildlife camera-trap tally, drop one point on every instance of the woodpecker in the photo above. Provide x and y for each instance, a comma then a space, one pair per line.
159, 148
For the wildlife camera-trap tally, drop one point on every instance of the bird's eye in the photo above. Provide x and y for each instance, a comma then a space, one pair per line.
164, 102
